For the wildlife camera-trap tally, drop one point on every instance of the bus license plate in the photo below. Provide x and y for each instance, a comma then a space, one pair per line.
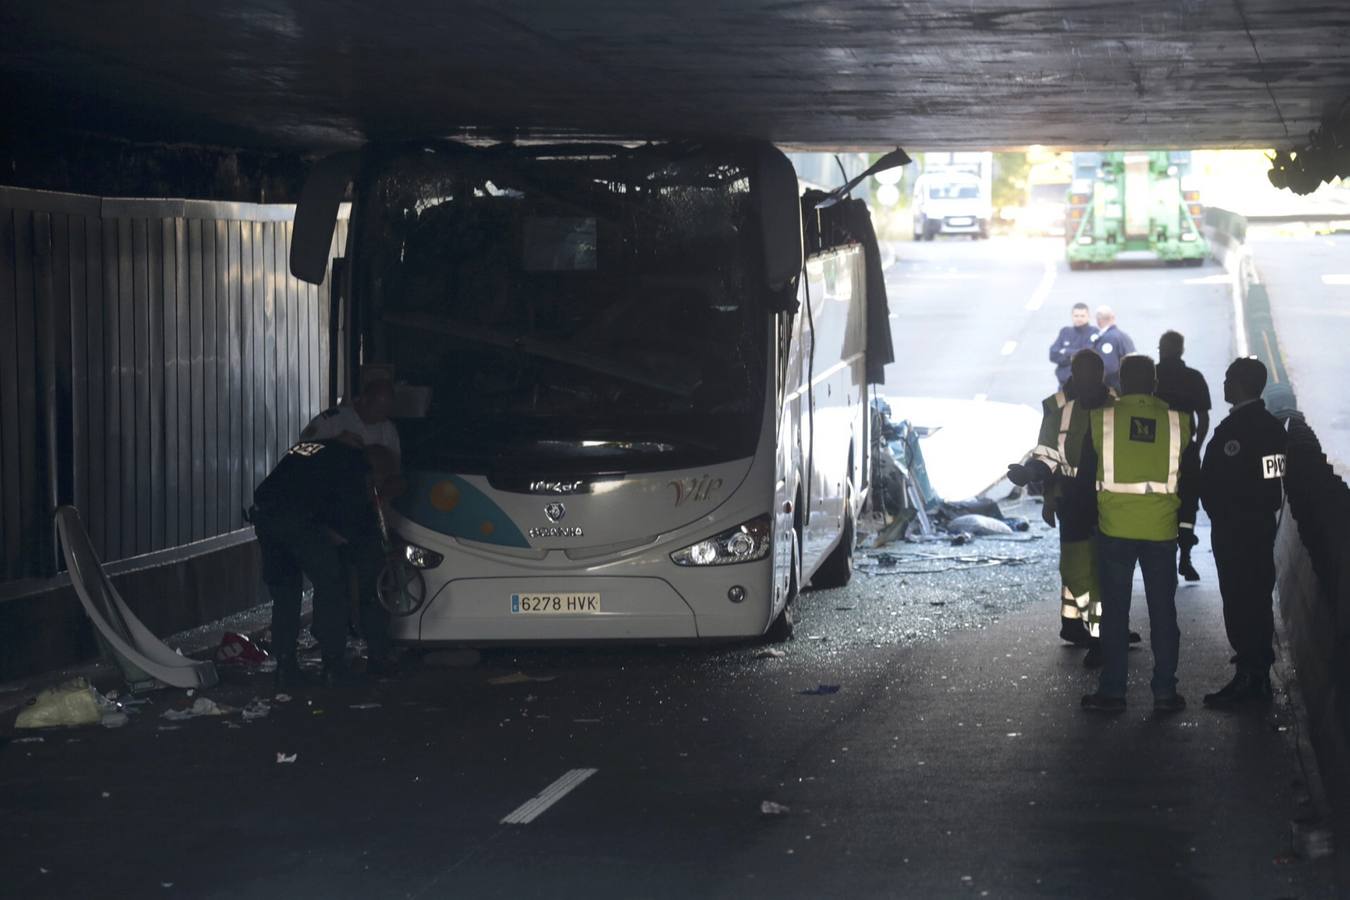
555, 604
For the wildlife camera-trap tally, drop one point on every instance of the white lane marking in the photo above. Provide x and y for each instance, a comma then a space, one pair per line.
1008, 348
534, 807
1209, 279
1043, 287
1338, 278
980, 398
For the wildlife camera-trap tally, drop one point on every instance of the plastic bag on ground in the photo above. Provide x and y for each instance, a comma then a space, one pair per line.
977, 525
71, 703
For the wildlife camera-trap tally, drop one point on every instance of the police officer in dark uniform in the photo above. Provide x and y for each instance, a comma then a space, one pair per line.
1241, 488
1111, 344
1185, 390
1071, 338
314, 515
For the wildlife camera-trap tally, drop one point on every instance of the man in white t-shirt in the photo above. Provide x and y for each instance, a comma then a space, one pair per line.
362, 422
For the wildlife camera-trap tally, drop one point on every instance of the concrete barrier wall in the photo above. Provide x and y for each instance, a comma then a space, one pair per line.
1313, 546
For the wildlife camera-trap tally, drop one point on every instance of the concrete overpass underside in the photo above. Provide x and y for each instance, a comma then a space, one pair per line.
305, 76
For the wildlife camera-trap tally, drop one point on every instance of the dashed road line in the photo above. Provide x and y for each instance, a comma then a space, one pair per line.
531, 809
1008, 348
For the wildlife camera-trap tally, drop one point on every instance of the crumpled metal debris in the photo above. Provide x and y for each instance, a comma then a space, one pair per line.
202, 706
257, 708
770, 808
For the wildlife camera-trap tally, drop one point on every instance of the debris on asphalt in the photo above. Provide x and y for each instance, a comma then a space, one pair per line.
29, 740
977, 525
583, 721
821, 689
239, 650
452, 659
72, 702
257, 708
364, 706
286, 758
770, 653
282, 698
202, 706
769, 808
519, 678
114, 719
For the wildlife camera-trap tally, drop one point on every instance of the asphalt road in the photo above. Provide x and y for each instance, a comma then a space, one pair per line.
1307, 277
922, 733
975, 320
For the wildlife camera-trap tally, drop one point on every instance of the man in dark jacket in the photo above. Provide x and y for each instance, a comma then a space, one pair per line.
1072, 338
1242, 490
1112, 345
312, 514
1185, 390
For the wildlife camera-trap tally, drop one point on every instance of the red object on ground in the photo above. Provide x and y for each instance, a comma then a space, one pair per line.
239, 650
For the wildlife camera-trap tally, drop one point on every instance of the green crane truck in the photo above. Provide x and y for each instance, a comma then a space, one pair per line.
1135, 205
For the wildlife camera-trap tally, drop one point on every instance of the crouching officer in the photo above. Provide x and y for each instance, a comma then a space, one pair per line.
1241, 488
314, 515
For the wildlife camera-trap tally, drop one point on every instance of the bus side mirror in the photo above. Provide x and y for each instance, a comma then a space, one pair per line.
316, 215
777, 201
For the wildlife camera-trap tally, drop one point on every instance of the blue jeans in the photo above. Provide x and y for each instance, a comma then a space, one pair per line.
1158, 560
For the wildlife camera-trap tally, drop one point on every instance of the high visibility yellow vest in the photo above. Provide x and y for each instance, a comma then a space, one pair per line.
1047, 444
1139, 444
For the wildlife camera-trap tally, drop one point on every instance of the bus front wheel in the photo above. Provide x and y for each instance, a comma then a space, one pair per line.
837, 569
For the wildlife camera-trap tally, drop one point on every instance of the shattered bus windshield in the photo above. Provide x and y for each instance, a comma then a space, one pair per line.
568, 309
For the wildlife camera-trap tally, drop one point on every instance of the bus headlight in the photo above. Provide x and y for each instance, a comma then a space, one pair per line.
421, 557
746, 542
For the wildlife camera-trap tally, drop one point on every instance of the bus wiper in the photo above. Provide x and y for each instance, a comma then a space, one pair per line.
679, 386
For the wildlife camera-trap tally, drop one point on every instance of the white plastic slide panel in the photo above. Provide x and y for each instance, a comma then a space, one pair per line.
470, 609
135, 647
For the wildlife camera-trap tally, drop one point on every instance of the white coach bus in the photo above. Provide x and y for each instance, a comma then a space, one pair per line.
640, 403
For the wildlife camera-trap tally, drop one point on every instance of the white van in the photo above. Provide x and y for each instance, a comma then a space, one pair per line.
950, 203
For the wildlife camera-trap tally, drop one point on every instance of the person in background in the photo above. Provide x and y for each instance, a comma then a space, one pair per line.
1242, 489
1112, 345
1074, 337
1184, 389
360, 423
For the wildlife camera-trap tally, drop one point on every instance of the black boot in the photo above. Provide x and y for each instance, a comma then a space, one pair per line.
1247, 685
1074, 632
1093, 658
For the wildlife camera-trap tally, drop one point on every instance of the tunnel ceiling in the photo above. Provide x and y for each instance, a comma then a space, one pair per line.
313, 75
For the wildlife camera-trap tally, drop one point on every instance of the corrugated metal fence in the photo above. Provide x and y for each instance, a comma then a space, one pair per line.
156, 358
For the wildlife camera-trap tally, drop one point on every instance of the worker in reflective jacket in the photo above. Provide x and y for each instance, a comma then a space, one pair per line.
1241, 485
1138, 446
1066, 418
